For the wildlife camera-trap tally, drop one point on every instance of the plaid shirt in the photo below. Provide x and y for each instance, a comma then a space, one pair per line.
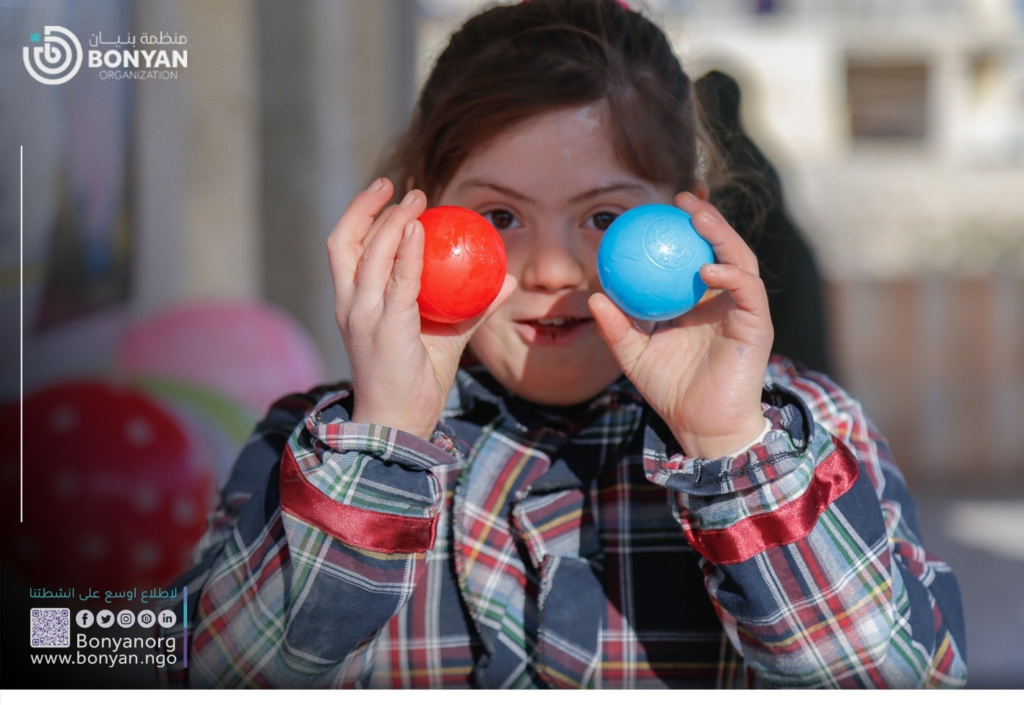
532, 547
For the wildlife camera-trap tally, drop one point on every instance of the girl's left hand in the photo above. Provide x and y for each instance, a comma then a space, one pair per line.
702, 372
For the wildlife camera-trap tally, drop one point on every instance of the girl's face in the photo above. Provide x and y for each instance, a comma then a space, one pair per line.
551, 186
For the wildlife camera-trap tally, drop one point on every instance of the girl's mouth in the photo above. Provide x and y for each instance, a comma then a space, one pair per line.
559, 330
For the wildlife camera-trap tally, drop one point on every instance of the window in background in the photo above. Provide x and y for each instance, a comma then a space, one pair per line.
887, 100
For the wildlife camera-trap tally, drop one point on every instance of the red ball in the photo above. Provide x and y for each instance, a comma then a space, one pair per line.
116, 494
463, 264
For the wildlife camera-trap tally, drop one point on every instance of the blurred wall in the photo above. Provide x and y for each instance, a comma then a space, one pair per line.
237, 168
938, 364
330, 103
200, 161
189, 150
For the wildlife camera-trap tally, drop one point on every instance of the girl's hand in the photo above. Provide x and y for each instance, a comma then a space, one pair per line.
402, 367
702, 372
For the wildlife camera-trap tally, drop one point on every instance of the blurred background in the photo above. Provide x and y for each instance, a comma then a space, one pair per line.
165, 279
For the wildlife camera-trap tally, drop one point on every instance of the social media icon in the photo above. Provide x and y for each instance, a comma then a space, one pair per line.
84, 619
126, 618
105, 618
167, 619
146, 618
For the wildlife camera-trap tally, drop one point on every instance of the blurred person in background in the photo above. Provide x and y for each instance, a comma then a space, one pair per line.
751, 200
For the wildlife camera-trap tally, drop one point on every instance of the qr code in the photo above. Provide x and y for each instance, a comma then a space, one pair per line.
51, 628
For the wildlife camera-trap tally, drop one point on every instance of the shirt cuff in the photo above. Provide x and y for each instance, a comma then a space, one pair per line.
760, 439
788, 430
329, 425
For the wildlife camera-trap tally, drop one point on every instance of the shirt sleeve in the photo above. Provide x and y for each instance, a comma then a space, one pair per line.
811, 548
320, 539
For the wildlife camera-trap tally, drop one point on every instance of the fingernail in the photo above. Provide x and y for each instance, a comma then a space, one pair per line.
376, 186
711, 269
409, 198
689, 196
707, 216
410, 227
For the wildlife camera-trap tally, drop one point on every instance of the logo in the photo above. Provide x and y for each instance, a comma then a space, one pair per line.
50, 62
84, 619
126, 618
105, 618
667, 245
167, 619
146, 618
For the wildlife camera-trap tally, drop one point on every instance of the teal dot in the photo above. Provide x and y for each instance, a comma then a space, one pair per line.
34, 37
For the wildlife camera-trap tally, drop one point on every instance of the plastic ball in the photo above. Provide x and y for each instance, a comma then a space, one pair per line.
464, 264
250, 351
214, 421
649, 262
115, 492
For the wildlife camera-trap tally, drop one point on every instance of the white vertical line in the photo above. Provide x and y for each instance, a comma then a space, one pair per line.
21, 337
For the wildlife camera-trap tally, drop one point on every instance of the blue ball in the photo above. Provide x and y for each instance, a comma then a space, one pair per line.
649, 262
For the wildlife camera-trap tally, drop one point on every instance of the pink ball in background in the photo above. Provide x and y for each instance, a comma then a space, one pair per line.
251, 352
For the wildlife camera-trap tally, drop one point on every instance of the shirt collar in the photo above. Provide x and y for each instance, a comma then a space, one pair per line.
476, 391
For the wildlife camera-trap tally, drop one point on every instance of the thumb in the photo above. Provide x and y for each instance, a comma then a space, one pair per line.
448, 341
625, 339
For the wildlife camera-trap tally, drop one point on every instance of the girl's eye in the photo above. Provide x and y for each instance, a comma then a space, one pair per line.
603, 220
502, 220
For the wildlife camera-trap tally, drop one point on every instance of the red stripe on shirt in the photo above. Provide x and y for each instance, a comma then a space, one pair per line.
372, 531
788, 524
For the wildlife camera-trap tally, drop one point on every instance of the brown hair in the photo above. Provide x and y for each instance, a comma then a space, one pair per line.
515, 62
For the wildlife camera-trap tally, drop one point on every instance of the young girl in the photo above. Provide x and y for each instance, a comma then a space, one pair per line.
554, 495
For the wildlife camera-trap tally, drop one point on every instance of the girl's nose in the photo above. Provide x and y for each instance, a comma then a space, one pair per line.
553, 263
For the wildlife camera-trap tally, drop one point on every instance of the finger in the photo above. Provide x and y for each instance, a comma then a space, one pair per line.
445, 348
404, 287
728, 246
620, 332
377, 263
345, 243
746, 289
691, 203
397, 213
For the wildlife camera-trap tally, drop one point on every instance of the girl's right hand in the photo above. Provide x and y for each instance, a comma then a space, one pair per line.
402, 366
